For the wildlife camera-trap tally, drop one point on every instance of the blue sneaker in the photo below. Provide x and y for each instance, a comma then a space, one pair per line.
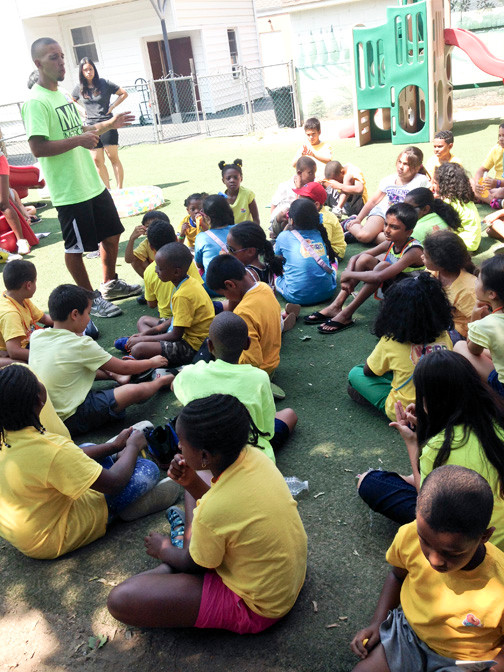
91, 330
120, 343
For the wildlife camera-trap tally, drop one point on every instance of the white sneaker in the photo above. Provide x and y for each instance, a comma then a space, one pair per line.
103, 308
22, 246
118, 289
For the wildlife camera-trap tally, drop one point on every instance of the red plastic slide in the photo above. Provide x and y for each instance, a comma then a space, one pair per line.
23, 177
476, 50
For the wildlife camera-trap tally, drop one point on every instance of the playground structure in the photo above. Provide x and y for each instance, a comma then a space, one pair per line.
403, 72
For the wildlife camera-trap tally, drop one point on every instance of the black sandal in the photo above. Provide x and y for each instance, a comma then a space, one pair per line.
315, 318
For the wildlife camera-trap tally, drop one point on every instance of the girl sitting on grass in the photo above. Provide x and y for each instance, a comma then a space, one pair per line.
308, 275
433, 213
397, 257
456, 419
413, 321
218, 219
447, 258
54, 496
393, 189
451, 183
245, 562
192, 223
241, 200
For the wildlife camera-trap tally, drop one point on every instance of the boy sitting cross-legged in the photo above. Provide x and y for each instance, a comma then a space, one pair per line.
179, 337
255, 302
67, 363
443, 602
18, 315
228, 338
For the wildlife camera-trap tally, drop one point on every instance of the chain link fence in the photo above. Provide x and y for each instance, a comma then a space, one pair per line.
243, 101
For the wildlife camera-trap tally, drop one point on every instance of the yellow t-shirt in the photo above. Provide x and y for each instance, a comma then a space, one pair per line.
358, 175
262, 313
462, 296
17, 320
334, 232
494, 160
193, 310
401, 359
66, 364
46, 505
466, 451
157, 290
144, 251
240, 207
247, 527
489, 333
436, 604
324, 149
192, 231
433, 162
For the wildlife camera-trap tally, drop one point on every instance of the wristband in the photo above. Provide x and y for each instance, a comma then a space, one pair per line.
181, 236
498, 183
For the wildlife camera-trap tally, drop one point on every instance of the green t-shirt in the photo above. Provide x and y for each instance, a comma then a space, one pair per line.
427, 225
71, 177
471, 455
66, 364
247, 383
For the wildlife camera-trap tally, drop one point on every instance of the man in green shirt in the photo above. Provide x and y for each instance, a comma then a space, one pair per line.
86, 211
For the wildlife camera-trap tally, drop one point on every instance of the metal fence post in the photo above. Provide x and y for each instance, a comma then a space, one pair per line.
155, 110
249, 102
244, 98
295, 93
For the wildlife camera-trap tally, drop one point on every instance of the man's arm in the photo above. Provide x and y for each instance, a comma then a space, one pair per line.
41, 146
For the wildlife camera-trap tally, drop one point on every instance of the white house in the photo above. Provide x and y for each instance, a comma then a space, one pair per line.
125, 39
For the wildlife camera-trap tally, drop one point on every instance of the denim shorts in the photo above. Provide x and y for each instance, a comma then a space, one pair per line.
495, 384
281, 434
96, 410
387, 493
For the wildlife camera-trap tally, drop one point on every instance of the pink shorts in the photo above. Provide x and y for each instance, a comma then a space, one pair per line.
4, 166
223, 609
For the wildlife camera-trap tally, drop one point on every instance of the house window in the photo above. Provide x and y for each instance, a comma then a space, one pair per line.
233, 52
84, 44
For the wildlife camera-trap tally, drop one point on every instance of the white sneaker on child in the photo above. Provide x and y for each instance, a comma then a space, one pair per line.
22, 246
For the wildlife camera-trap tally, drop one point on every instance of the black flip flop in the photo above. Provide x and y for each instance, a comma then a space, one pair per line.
319, 318
338, 326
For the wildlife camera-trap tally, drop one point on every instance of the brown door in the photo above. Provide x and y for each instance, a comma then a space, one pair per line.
181, 53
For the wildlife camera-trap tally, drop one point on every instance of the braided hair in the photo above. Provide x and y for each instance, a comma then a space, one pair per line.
220, 425
236, 165
250, 234
305, 217
19, 395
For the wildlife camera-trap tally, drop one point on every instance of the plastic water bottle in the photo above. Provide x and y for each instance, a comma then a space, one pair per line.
295, 485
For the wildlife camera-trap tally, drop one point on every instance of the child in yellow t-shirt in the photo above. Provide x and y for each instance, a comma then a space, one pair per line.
442, 603
414, 319
241, 200
491, 189
142, 256
442, 144
19, 317
52, 497
193, 222
319, 150
180, 337
255, 302
244, 562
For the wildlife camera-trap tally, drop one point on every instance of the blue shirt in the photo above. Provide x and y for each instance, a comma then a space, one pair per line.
205, 249
303, 280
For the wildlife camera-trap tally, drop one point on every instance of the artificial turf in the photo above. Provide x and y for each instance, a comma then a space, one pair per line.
334, 441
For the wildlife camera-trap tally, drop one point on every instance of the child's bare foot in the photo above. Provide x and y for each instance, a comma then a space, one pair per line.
120, 379
156, 543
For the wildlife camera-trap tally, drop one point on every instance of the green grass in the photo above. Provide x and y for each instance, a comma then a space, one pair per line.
334, 441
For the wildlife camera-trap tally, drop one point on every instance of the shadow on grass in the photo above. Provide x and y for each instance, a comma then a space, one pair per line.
474, 126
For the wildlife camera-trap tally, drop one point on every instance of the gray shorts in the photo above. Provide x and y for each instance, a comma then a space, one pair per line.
177, 352
378, 211
405, 651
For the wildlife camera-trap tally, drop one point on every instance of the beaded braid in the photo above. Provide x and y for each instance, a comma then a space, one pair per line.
221, 425
19, 392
